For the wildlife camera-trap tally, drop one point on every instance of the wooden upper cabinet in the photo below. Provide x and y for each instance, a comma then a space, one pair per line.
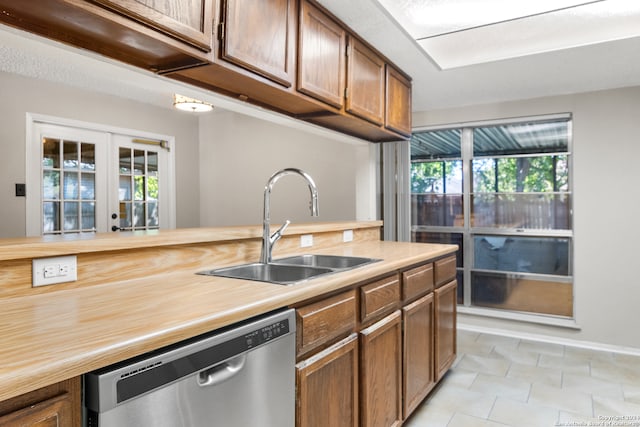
321, 56
188, 20
157, 35
398, 102
259, 35
365, 82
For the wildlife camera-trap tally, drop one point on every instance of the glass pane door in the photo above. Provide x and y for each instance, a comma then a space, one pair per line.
72, 181
87, 181
140, 183
68, 186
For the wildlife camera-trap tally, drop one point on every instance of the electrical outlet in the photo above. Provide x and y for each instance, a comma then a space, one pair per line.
306, 240
347, 236
48, 271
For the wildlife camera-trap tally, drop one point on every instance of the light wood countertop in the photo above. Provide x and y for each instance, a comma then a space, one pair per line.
46, 338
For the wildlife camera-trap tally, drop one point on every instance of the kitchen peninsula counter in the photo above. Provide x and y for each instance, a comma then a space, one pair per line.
140, 292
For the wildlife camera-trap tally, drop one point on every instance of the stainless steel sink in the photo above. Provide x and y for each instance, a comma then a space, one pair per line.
328, 261
273, 273
290, 270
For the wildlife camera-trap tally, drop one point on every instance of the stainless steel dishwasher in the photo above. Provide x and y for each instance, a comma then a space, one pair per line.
237, 377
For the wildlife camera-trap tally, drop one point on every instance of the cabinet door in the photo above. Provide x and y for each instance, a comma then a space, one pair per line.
321, 56
397, 116
259, 35
187, 20
365, 82
418, 376
49, 413
381, 372
327, 387
54, 405
445, 305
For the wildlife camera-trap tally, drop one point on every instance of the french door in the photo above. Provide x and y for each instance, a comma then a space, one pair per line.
86, 180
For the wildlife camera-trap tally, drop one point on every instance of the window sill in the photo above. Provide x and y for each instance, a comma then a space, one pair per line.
563, 322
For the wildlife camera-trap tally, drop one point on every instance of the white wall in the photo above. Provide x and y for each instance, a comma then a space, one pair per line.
223, 159
22, 94
238, 154
606, 149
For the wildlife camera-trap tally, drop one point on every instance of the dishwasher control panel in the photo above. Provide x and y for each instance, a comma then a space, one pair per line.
266, 334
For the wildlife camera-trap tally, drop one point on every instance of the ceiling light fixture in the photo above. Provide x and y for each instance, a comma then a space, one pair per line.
185, 103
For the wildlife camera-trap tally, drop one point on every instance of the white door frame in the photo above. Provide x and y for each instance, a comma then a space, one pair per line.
33, 175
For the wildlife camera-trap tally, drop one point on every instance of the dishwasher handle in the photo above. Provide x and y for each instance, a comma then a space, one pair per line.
222, 372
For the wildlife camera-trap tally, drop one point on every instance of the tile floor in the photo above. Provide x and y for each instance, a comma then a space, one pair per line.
503, 381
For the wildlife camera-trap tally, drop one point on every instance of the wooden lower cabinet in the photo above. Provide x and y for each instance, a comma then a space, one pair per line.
325, 322
52, 406
418, 333
327, 387
380, 373
402, 341
445, 327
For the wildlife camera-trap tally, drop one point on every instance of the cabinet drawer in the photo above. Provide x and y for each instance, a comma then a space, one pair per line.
445, 270
325, 320
417, 281
379, 298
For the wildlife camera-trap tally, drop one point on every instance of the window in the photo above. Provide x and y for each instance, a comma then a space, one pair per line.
93, 179
68, 186
139, 186
502, 192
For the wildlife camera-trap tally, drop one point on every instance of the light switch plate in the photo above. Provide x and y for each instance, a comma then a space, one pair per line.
48, 271
347, 236
306, 240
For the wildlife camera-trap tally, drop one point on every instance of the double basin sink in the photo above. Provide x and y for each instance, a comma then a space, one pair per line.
291, 270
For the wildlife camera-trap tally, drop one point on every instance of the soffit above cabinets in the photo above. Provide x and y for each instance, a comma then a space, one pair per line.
458, 33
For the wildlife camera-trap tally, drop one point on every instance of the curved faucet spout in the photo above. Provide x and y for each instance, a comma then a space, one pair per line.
269, 241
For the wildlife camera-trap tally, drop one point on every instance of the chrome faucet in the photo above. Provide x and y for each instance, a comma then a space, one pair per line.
268, 240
